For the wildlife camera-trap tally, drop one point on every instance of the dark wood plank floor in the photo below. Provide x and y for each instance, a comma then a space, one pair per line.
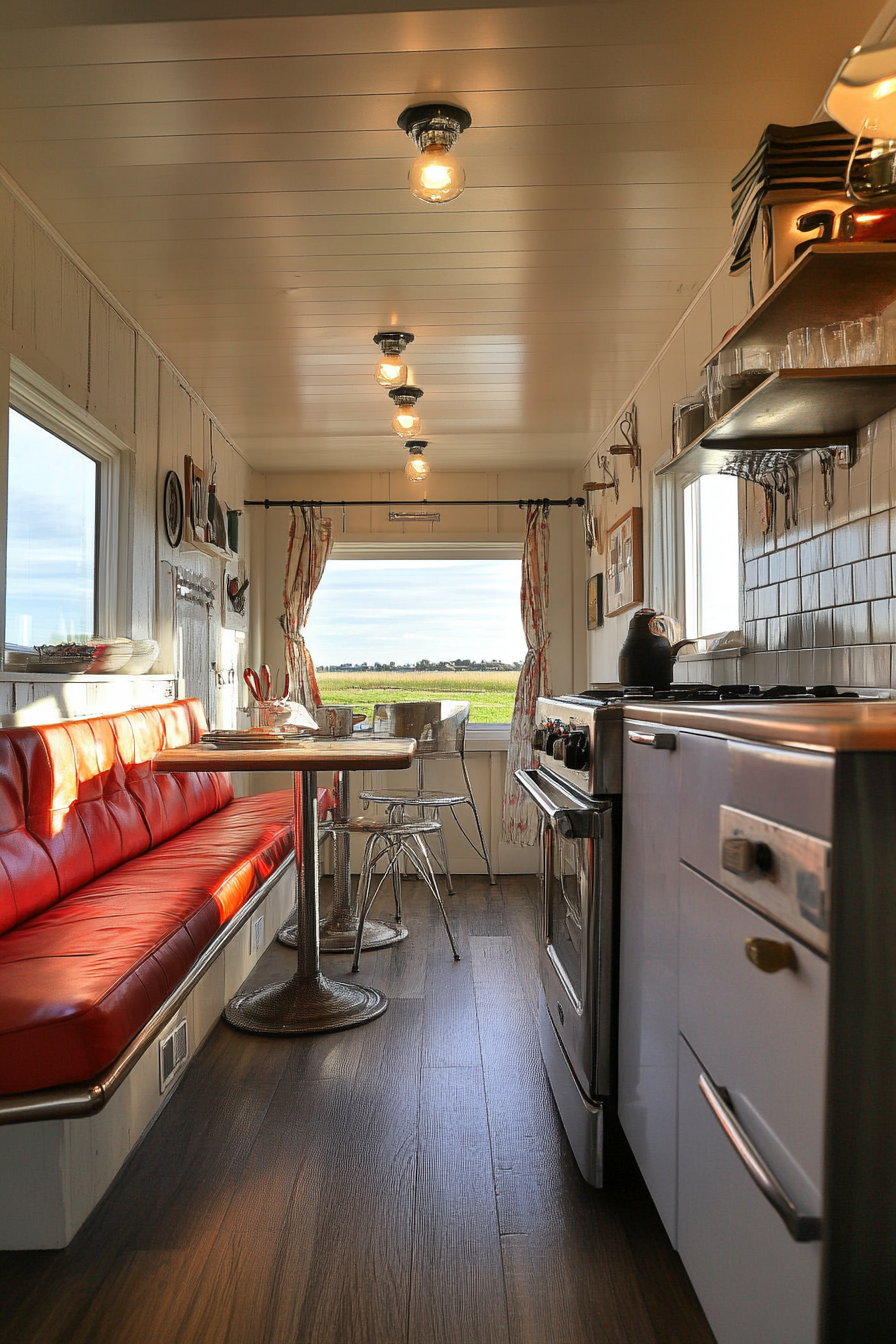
405, 1181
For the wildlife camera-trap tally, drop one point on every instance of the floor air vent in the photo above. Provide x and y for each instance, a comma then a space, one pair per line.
172, 1053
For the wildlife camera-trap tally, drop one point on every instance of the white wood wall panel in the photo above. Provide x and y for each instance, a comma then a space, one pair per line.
112, 369
146, 513
62, 325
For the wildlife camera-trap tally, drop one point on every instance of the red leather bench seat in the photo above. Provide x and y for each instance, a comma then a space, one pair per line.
163, 861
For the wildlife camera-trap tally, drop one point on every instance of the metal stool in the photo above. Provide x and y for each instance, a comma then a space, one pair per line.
439, 727
389, 838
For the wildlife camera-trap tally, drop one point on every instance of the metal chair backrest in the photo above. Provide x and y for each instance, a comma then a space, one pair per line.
439, 726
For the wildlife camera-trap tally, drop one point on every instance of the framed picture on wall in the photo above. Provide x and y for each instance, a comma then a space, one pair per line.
625, 572
595, 601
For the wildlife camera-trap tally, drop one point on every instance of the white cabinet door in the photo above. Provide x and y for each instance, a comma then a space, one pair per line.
648, 982
756, 1285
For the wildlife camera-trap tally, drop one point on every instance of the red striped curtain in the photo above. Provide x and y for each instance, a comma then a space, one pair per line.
519, 820
310, 543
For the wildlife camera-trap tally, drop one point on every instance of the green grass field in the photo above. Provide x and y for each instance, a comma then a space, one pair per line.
490, 693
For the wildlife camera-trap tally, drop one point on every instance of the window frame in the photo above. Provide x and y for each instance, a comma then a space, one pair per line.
479, 736
37, 400
669, 551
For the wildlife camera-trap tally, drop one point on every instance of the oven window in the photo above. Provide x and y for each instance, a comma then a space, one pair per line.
568, 908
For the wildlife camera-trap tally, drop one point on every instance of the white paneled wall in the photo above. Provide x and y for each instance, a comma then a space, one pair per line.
677, 370
63, 325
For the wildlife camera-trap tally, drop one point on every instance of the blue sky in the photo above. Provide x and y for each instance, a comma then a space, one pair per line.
50, 537
380, 611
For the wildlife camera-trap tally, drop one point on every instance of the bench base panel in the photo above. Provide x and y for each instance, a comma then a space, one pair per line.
53, 1173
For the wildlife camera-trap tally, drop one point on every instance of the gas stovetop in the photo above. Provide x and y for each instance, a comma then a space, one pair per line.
697, 692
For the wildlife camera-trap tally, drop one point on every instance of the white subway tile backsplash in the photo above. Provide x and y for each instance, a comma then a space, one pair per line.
767, 601
851, 542
766, 668
839, 667
809, 588
872, 578
843, 589
879, 533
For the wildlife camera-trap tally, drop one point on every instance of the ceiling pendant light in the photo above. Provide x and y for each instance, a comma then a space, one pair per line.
436, 176
392, 371
406, 421
416, 467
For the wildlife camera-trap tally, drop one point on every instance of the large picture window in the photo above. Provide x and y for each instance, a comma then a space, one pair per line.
52, 531
417, 629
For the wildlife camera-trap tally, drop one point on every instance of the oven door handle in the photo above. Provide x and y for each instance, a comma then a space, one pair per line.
577, 822
801, 1226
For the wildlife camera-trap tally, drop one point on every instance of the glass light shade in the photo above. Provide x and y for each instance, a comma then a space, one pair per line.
863, 95
391, 372
406, 422
417, 467
436, 175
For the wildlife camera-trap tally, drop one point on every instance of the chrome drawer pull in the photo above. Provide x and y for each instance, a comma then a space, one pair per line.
801, 1226
659, 741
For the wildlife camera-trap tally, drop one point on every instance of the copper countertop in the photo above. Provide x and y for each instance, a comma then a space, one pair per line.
828, 726
363, 752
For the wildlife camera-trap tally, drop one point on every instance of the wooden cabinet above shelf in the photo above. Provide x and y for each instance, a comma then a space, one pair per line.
793, 410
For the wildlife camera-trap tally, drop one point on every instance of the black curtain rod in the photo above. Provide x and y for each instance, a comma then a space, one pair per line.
408, 503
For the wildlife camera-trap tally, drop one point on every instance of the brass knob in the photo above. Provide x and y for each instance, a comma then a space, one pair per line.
770, 956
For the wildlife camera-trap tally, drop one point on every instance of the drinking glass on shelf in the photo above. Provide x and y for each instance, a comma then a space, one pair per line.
887, 340
804, 348
713, 390
832, 347
861, 341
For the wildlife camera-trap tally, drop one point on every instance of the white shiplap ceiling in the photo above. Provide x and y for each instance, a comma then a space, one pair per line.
238, 181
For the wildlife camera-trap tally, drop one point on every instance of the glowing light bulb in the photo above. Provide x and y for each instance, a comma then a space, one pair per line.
391, 372
436, 175
406, 422
417, 467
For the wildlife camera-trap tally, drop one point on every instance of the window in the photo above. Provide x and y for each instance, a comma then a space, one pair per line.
711, 556
410, 629
51, 541
67, 534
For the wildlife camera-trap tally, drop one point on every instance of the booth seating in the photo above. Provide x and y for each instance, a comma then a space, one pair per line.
132, 905
113, 879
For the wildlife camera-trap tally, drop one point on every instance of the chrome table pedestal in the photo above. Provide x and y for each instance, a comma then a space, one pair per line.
338, 931
308, 1001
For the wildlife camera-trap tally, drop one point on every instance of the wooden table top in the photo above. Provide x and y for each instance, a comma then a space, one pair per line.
308, 753
828, 726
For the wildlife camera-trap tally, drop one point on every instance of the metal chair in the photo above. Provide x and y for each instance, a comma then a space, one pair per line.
439, 727
390, 838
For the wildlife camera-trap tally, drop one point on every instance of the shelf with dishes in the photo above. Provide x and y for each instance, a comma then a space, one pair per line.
810, 364
792, 410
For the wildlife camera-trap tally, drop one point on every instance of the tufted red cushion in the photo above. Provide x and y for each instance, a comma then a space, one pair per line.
86, 793
80, 979
27, 876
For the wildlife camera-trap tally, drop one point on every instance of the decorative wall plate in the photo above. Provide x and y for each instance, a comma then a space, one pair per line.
173, 506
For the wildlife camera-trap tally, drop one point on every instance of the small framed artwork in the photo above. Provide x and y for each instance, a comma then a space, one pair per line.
625, 572
595, 601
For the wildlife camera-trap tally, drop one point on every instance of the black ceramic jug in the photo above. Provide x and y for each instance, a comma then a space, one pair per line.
646, 657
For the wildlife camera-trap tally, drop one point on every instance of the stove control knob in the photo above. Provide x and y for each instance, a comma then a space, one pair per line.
558, 747
742, 856
576, 754
538, 738
551, 737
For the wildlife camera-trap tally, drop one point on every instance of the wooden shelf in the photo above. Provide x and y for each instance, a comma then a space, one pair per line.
793, 410
829, 283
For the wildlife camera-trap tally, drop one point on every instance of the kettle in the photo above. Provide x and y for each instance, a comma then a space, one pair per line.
646, 657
